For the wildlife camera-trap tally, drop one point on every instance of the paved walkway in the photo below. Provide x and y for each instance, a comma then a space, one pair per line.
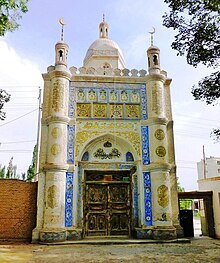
199, 250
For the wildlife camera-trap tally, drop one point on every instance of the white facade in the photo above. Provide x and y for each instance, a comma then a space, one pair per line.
104, 126
209, 180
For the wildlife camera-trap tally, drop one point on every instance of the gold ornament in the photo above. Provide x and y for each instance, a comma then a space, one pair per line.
56, 132
159, 134
163, 195
160, 151
55, 149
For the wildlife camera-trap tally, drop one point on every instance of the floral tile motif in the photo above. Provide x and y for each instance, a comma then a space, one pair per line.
132, 111
99, 110
145, 145
83, 110
116, 111
69, 200
70, 143
147, 199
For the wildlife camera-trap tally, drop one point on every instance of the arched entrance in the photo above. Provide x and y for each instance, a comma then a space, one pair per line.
107, 203
107, 164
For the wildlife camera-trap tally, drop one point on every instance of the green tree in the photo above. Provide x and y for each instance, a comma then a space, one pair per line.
10, 13
31, 169
2, 172
198, 38
9, 173
179, 188
4, 97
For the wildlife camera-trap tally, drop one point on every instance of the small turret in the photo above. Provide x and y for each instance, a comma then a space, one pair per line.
153, 54
103, 29
61, 49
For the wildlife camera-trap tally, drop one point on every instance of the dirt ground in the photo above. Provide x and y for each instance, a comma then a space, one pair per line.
200, 250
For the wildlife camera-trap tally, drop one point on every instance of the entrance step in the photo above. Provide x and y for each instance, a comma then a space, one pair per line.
106, 237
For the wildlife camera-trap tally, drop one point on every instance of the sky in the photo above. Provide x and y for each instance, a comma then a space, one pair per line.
26, 53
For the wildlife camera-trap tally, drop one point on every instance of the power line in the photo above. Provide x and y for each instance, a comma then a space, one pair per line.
17, 142
188, 116
21, 86
16, 151
18, 117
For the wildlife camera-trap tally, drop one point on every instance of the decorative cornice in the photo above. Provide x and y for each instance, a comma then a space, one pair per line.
55, 167
156, 77
156, 166
157, 121
62, 119
60, 74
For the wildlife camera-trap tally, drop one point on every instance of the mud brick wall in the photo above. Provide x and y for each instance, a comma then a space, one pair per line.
18, 207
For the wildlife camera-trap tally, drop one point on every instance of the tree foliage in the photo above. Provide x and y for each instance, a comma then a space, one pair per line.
198, 38
4, 97
32, 167
10, 13
179, 187
2, 172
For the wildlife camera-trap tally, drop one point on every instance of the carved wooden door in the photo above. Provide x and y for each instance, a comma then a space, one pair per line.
107, 209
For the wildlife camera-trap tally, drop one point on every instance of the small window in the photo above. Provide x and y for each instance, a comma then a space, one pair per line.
129, 157
85, 156
218, 162
219, 171
155, 59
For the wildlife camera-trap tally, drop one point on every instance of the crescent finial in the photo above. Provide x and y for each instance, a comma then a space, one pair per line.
61, 21
152, 35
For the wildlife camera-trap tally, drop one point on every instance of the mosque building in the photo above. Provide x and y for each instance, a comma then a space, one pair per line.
107, 162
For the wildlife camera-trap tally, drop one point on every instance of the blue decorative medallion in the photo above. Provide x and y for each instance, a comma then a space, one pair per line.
145, 145
69, 200
147, 199
143, 103
70, 143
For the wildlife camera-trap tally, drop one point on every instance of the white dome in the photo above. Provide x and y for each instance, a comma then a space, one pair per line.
104, 51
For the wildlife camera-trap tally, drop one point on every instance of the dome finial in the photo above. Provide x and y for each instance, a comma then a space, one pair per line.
103, 17
62, 24
152, 36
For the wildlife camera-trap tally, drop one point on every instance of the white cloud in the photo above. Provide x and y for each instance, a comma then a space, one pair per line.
21, 78
15, 70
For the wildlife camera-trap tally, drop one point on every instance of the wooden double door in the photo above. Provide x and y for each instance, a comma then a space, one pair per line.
107, 210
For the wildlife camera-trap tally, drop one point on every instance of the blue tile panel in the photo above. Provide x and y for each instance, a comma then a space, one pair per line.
72, 102
135, 191
144, 103
70, 143
147, 199
145, 145
69, 200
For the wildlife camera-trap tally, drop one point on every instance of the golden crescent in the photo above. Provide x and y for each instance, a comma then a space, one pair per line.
153, 31
61, 21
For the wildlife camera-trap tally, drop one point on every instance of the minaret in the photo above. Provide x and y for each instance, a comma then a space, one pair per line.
53, 153
103, 29
160, 165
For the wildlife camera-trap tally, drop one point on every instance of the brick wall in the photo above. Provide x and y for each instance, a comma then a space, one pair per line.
18, 207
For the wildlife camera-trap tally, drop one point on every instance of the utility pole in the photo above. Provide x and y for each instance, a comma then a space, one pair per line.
204, 162
38, 136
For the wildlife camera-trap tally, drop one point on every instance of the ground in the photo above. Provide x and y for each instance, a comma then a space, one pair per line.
200, 250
